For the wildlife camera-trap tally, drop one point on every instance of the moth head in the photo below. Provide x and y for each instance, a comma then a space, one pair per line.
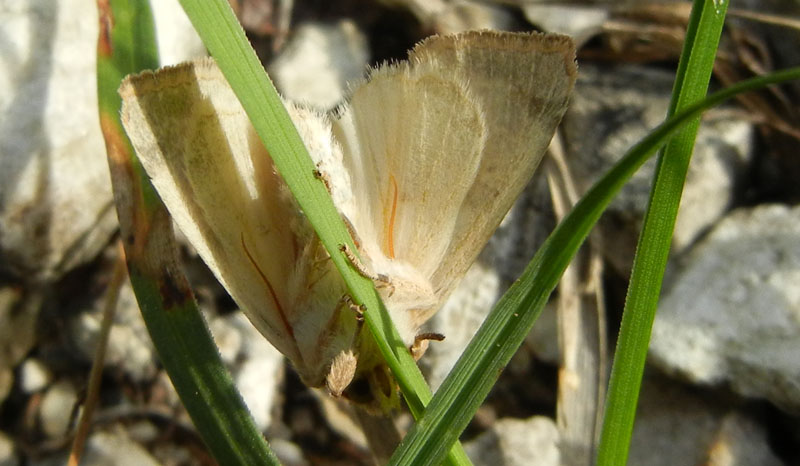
341, 373
367, 382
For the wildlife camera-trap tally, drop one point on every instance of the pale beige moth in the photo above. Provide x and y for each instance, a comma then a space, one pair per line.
422, 162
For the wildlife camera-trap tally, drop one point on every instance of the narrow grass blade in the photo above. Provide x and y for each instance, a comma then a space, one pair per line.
126, 44
225, 40
98, 361
691, 84
504, 330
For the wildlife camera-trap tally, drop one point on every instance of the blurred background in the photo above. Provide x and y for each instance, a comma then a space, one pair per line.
722, 385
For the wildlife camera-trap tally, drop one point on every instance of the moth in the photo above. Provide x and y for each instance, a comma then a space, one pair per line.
422, 163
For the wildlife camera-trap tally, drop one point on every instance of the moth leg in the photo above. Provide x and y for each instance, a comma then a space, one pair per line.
344, 365
381, 280
356, 263
322, 176
421, 341
384, 282
352, 230
358, 309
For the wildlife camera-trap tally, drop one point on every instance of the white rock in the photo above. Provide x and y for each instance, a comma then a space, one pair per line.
143, 432
257, 367
678, 425
466, 15
517, 442
105, 449
56, 408
172, 453
499, 264
227, 338
579, 21
34, 376
426, 11
8, 455
130, 348
732, 313
318, 61
115, 449
341, 418
458, 320
741, 441
177, 40
612, 109
288, 453
56, 209
19, 310
543, 339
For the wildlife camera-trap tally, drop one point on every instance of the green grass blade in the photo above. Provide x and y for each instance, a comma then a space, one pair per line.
691, 84
225, 40
504, 330
126, 45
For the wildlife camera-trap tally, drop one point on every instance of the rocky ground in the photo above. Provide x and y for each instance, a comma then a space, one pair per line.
721, 387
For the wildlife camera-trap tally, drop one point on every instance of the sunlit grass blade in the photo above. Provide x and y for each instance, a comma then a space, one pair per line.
691, 84
126, 44
504, 330
225, 40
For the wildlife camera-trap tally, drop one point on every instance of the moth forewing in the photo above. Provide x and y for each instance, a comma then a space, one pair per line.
523, 83
471, 116
179, 120
220, 186
410, 169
